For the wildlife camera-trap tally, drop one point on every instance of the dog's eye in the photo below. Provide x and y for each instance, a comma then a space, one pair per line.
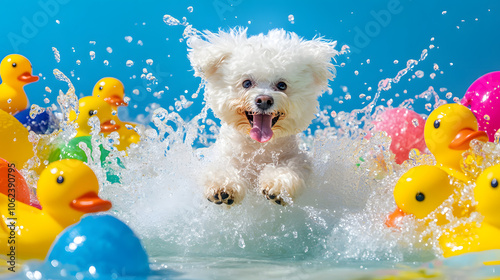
247, 84
92, 112
281, 86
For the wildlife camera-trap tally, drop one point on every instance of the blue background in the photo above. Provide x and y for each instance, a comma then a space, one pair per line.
30, 28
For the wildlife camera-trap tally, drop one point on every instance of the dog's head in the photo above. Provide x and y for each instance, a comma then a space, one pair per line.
266, 85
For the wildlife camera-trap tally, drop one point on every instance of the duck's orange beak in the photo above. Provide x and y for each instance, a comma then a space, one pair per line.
108, 126
394, 218
90, 203
27, 77
115, 100
464, 136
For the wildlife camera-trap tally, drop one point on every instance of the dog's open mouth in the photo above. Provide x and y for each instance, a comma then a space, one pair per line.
262, 125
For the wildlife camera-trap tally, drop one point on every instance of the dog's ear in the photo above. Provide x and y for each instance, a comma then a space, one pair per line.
208, 53
323, 53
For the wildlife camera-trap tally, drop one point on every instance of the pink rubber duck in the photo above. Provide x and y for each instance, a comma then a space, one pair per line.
483, 99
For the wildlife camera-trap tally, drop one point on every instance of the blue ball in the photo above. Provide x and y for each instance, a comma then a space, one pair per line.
43, 123
102, 244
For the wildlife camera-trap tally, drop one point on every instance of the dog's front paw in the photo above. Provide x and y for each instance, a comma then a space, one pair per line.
280, 184
226, 193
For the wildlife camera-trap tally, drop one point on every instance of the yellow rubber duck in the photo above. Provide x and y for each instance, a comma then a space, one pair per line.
67, 189
14, 144
419, 192
448, 132
110, 90
92, 105
15, 71
484, 236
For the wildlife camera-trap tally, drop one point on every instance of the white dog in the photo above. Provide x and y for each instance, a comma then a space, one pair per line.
264, 89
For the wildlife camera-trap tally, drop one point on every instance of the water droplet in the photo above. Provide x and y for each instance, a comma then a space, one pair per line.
190, 9
419, 74
385, 84
140, 43
431, 46
57, 21
428, 107
486, 117
109, 49
47, 89
9, 100
356, 72
129, 63
92, 55
149, 61
449, 95
367, 61
92, 43
46, 101
241, 243
424, 54
396, 61
135, 91
129, 39
56, 54
170, 20
414, 122
106, 62
432, 75
444, 12
78, 62
291, 19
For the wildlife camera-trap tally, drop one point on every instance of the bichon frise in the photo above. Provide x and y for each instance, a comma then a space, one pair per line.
264, 89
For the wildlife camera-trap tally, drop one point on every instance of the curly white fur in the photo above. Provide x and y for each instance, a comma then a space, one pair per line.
228, 60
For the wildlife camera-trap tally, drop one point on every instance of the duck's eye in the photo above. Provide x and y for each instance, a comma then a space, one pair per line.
494, 183
100, 88
437, 123
247, 84
92, 112
281, 86
14, 64
60, 179
420, 197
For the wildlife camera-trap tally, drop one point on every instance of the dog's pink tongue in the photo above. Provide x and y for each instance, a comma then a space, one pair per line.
261, 130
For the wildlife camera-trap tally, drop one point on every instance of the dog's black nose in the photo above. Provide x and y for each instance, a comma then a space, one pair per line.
264, 102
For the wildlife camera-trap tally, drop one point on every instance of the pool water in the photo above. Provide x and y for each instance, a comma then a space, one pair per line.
424, 54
